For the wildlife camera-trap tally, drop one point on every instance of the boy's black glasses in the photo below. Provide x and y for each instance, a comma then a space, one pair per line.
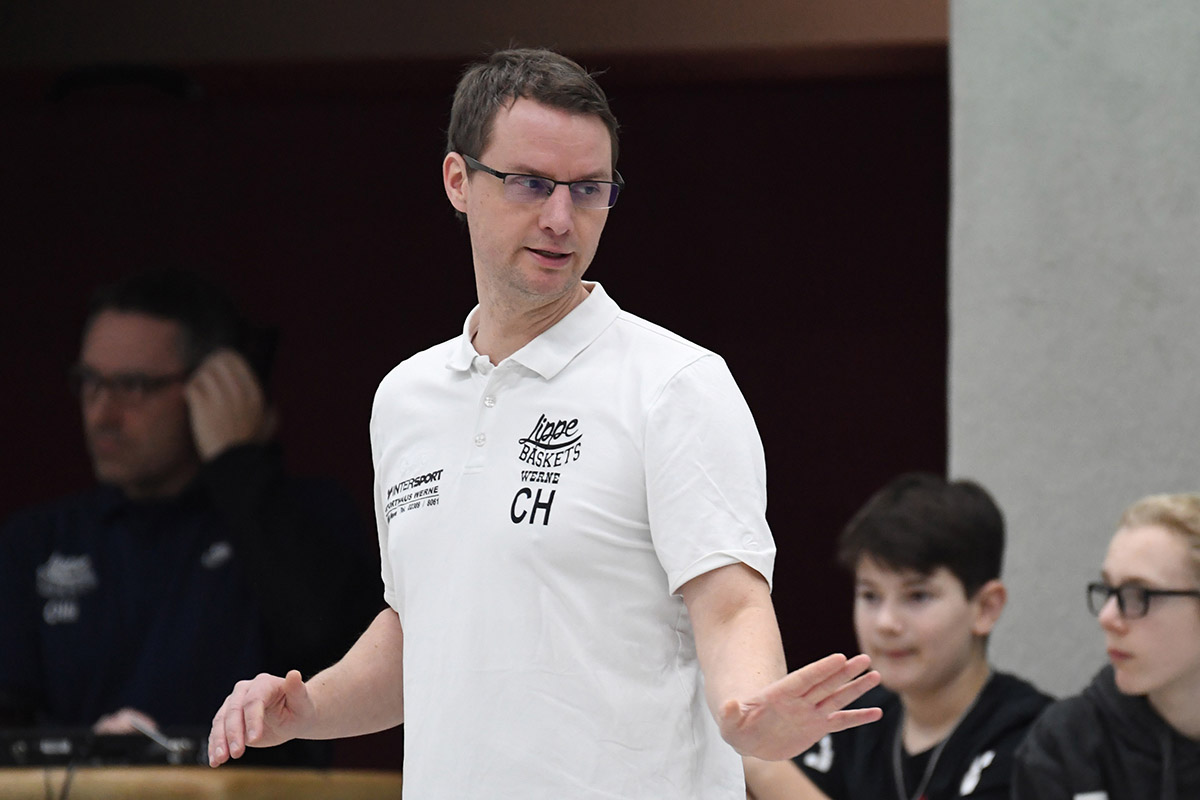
1132, 601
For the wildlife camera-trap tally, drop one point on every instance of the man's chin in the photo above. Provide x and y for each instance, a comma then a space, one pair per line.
111, 472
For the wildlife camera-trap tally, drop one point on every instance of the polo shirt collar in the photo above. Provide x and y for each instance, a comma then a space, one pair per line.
553, 349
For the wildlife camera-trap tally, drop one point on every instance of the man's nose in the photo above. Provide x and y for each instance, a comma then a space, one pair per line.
100, 405
558, 211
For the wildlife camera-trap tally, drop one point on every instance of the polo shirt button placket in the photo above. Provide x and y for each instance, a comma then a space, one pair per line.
480, 440
489, 401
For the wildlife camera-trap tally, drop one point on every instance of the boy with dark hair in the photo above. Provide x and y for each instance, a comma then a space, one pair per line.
926, 556
920, 522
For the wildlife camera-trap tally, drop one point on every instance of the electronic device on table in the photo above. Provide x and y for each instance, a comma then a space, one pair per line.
37, 747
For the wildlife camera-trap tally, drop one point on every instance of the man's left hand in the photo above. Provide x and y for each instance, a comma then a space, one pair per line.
226, 404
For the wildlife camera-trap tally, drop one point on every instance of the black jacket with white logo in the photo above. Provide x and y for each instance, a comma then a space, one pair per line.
163, 605
976, 762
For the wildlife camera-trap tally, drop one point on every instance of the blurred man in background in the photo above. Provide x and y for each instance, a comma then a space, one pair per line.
196, 559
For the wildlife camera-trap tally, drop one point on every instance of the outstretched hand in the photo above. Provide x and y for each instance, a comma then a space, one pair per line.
263, 712
792, 714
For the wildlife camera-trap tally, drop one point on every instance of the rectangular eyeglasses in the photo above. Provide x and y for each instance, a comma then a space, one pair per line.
520, 188
1132, 601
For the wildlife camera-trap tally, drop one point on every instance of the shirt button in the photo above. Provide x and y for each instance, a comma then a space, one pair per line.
489, 401
480, 439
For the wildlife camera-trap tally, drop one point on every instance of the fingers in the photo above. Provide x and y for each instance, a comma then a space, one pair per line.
852, 718
790, 715
226, 404
227, 739
822, 669
227, 377
847, 693
227, 721
254, 713
285, 693
231, 367
257, 713
833, 681
218, 747
860, 663
811, 677
844, 688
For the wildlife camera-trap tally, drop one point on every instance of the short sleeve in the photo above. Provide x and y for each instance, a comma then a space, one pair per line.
706, 476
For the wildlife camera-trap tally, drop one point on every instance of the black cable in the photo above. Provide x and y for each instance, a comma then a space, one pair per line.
67, 778
80, 752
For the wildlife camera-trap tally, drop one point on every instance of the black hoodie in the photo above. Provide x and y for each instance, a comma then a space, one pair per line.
976, 763
1107, 743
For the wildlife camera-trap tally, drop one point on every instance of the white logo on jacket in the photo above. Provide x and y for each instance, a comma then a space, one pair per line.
66, 576
218, 553
971, 779
820, 759
61, 581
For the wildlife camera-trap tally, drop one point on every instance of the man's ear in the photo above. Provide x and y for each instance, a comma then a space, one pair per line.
989, 605
454, 178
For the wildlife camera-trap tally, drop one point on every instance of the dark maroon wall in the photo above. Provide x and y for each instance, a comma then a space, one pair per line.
797, 227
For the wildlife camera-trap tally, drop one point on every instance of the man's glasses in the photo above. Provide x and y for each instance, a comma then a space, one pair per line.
534, 188
126, 388
1132, 601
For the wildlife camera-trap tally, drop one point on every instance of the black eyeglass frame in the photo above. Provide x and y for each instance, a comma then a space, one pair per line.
618, 185
128, 386
1144, 596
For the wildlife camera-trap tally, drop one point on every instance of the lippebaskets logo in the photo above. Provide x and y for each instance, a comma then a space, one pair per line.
552, 443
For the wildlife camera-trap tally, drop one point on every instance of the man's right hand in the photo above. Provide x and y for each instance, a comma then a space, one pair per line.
263, 712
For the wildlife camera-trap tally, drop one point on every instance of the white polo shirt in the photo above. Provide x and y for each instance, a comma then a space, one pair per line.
535, 521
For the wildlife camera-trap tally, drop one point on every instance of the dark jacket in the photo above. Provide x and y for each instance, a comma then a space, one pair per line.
164, 605
976, 762
1105, 741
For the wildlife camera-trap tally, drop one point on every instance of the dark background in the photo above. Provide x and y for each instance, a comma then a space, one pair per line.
796, 225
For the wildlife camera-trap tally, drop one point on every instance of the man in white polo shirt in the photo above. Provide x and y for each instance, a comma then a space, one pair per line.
571, 511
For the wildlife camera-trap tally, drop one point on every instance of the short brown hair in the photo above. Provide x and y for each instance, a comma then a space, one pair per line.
206, 314
537, 74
